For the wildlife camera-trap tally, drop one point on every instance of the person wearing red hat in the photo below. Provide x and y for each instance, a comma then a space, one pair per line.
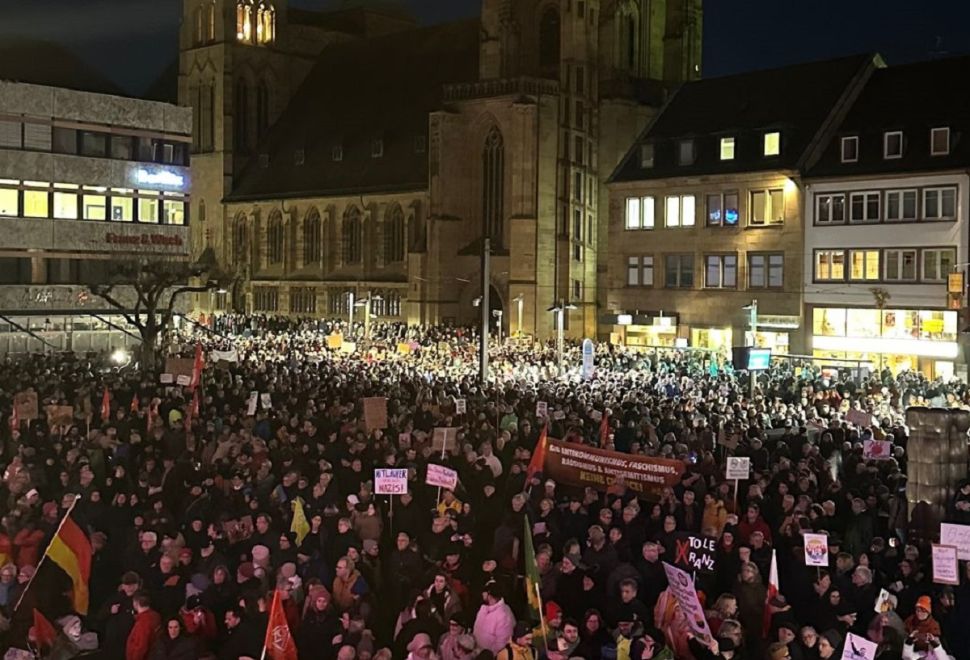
921, 624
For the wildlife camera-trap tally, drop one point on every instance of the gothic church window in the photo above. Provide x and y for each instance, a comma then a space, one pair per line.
265, 24
493, 187
262, 108
240, 244
628, 37
211, 22
274, 239
353, 236
244, 21
394, 235
549, 43
311, 237
241, 115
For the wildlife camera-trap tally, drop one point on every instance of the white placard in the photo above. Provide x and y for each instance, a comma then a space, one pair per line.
266, 400
439, 475
877, 450
252, 402
542, 409
883, 604
686, 594
460, 406
858, 648
957, 535
390, 481
946, 567
166, 379
183, 380
589, 358
816, 549
738, 468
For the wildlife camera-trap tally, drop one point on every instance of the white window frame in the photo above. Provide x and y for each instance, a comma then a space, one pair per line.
768, 222
647, 265
936, 255
885, 145
818, 206
853, 140
728, 147
939, 191
771, 145
865, 194
681, 205
866, 253
898, 276
901, 192
721, 270
646, 217
933, 133
816, 275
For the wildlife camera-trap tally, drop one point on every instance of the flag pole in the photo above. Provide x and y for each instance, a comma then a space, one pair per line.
44, 556
542, 619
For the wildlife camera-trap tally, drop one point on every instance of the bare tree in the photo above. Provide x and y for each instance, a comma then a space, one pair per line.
145, 292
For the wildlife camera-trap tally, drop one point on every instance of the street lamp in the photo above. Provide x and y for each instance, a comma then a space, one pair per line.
520, 302
497, 313
559, 310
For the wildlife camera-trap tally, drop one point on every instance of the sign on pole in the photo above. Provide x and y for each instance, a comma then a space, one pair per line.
390, 481
441, 476
816, 549
589, 358
686, 594
738, 468
946, 567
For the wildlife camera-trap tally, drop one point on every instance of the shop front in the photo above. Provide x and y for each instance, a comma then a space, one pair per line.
644, 330
718, 340
923, 340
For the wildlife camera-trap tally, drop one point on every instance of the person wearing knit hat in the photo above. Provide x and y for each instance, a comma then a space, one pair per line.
829, 643
921, 623
778, 651
261, 556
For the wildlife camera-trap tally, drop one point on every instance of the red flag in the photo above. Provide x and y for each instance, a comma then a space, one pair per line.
192, 411
197, 367
772, 591
135, 403
604, 428
152, 414
44, 631
539, 455
105, 405
14, 419
279, 642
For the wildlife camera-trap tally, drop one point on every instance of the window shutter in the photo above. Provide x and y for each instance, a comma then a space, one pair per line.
37, 136
10, 134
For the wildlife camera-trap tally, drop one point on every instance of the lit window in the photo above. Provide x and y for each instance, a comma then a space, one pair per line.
767, 207
36, 200
722, 210
685, 152
721, 271
864, 207
850, 149
174, 212
900, 265
9, 198
829, 265
727, 148
940, 141
65, 203
148, 207
829, 209
639, 213
265, 24
864, 265
95, 207
940, 203
680, 211
122, 208
892, 142
646, 155
937, 264
244, 21
772, 143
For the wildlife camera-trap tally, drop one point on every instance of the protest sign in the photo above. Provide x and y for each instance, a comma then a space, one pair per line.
877, 450
589, 358
392, 481
542, 409
60, 415
686, 594
946, 569
266, 400
403, 348
956, 535
348, 347
375, 413
859, 418
460, 407
441, 476
694, 553
166, 379
858, 648
251, 403
816, 549
224, 356
883, 604
183, 380
738, 468
729, 440
26, 405
580, 465
444, 439
180, 367
335, 342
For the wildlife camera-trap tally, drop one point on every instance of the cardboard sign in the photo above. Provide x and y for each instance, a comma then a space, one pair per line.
26, 405
542, 409
166, 379
816, 549
731, 441
956, 535
375, 413
403, 348
738, 468
59, 415
946, 567
183, 380
224, 356
684, 591
877, 450
441, 476
859, 418
580, 465
444, 439
694, 553
348, 347
251, 403
180, 367
266, 400
460, 407
390, 481
335, 342
858, 648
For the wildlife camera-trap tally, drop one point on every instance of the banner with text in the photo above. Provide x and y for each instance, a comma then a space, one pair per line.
390, 481
579, 465
683, 589
694, 553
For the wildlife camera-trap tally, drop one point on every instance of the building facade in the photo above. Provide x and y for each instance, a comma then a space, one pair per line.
85, 179
887, 225
707, 224
353, 152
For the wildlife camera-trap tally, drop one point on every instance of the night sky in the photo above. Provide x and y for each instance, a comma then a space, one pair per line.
132, 41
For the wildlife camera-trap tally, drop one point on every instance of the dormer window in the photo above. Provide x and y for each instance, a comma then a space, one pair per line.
850, 149
646, 155
892, 145
685, 152
772, 143
727, 148
940, 141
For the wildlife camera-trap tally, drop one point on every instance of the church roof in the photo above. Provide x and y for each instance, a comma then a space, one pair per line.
358, 92
45, 63
795, 100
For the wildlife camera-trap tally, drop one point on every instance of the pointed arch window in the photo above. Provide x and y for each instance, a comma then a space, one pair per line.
493, 187
262, 108
394, 234
265, 23
240, 240
199, 25
211, 22
628, 37
353, 236
240, 115
311, 237
549, 43
244, 21
274, 239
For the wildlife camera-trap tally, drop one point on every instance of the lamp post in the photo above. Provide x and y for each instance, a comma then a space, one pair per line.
351, 305
752, 310
519, 300
497, 313
559, 310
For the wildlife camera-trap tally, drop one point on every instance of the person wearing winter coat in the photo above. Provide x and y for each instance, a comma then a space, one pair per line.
494, 622
146, 632
175, 644
751, 592
320, 625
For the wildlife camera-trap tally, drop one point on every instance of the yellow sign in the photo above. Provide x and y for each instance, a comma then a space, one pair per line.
954, 283
403, 348
334, 341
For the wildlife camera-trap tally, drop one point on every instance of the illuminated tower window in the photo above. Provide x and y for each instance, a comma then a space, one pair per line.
244, 21
265, 24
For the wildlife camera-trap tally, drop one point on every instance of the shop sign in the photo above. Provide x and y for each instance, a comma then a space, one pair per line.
779, 321
954, 283
158, 177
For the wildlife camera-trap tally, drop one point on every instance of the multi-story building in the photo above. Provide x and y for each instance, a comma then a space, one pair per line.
707, 209
353, 152
85, 179
886, 212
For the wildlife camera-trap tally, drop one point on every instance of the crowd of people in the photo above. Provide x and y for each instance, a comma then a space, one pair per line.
194, 499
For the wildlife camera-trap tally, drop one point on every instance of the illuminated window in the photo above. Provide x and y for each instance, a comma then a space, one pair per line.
265, 24
727, 148
9, 198
850, 149
639, 213
772, 143
829, 322
244, 21
722, 210
65, 203
36, 200
829, 265
940, 141
901, 205
940, 203
864, 265
767, 207
639, 271
892, 144
148, 206
211, 21
173, 211
680, 211
122, 208
95, 207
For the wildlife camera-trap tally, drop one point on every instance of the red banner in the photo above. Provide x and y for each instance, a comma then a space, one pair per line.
579, 465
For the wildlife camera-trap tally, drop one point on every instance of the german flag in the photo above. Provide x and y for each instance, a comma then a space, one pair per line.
539, 455
71, 550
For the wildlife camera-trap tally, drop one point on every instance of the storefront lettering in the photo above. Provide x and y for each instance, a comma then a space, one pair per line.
143, 239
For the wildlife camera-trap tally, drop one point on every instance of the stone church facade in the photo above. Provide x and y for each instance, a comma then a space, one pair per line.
355, 152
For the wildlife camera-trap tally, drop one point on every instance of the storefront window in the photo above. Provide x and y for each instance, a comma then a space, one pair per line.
36, 200
148, 207
937, 325
174, 212
717, 339
900, 324
9, 198
122, 208
829, 322
863, 323
65, 203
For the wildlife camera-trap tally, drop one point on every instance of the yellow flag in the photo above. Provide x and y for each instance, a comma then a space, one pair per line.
299, 526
